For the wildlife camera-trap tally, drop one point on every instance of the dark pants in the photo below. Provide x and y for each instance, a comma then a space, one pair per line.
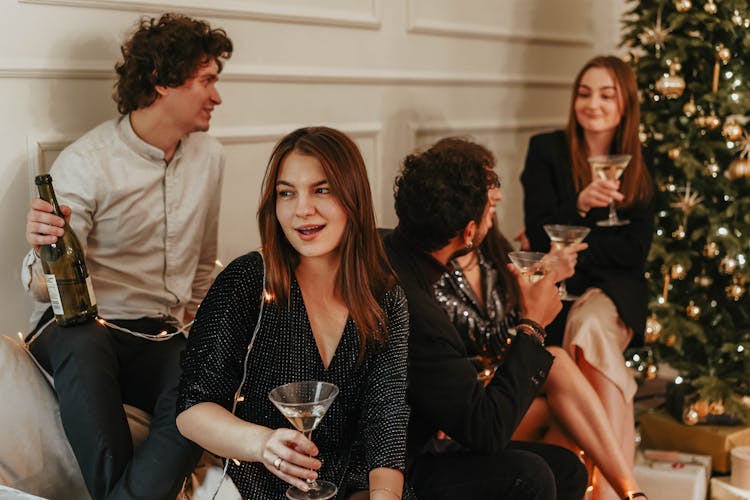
522, 471
96, 370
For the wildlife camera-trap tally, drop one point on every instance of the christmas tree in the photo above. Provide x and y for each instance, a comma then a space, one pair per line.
692, 64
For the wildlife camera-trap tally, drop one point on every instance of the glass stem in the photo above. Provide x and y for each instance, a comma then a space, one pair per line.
312, 483
612, 213
562, 290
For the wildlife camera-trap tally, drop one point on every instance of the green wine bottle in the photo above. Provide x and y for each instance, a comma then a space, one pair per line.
64, 264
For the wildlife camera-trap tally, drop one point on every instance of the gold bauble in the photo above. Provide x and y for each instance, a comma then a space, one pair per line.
700, 121
692, 310
670, 86
653, 330
716, 408
732, 130
683, 5
740, 167
711, 250
678, 271
671, 340
651, 371
728, 265
704, 280
712, 122
724, 54
712, 168
700, 407
735, 291
710, 7
674, 153
690, 416
737, 18
689, 108
679, 233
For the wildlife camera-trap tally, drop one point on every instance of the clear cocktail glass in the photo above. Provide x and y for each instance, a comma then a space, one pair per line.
562, 236
610, 167
305, 404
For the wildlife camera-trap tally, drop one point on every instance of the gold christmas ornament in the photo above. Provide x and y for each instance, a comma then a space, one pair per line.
657, 35
678, 271
712, 168
692, 310
728, 265
712, 121
700, 121
711, 250
689, 108
710, 7
683, 5
723, 53
731, 130
679, 233
737, 18
690, 416
653, 329
740, 167
671, 85
735, 291
674, 153
704, 280
651, 371
671, 341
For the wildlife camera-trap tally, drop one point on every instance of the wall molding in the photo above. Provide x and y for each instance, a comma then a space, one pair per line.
246, 10
304, 75
416, 25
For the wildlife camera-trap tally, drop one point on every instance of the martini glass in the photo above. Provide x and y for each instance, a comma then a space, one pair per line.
610, 167
562, 236
305, 404
531, 264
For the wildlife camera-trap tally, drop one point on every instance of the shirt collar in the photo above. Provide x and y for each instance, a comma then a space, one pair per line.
141, 147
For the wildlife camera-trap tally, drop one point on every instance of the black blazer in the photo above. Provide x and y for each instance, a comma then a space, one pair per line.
443, 390
616, 257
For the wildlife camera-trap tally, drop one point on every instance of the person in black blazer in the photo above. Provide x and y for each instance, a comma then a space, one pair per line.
561, 188
446, 205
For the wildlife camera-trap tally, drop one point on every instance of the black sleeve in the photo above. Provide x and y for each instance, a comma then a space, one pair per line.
212, 364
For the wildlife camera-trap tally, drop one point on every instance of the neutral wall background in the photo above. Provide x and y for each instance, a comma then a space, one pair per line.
395, 74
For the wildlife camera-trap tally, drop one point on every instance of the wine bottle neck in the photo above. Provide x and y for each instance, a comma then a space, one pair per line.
47, 193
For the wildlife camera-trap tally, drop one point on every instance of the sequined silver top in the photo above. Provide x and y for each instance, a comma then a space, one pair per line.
366, 424
487, 330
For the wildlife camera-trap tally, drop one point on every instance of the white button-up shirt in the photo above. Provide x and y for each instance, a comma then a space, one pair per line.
149, 229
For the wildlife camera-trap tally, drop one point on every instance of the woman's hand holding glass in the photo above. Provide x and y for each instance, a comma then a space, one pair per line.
289, 455
599, 193
566, 260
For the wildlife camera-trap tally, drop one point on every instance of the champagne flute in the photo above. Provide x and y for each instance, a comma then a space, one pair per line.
305, 404
610, 167
562, 236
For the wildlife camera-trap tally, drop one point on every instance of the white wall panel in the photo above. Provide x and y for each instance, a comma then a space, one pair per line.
394, 74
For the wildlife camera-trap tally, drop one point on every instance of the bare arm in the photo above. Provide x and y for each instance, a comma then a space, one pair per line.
386, 484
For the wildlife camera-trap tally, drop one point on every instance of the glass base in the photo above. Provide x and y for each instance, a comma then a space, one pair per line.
322, 492
613, 223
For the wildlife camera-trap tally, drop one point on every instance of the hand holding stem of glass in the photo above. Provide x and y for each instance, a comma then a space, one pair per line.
305, 404
562, 236
610, 167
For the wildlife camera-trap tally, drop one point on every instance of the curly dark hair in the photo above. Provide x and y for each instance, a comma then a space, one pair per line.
439, 191
165, 51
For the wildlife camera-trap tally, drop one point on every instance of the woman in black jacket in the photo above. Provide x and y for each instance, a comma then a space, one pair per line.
560, 187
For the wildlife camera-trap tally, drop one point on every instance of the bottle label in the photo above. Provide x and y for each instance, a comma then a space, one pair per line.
54, 294
90, 288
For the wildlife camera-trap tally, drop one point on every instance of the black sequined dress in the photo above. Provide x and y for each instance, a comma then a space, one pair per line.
365, 426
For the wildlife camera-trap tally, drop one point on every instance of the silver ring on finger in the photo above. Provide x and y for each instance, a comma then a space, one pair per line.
277, 463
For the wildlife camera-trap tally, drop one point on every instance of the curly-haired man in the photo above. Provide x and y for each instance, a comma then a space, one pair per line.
142, 194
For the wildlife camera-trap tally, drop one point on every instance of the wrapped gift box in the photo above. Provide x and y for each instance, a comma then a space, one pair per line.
723, 489
661, 431
668, 475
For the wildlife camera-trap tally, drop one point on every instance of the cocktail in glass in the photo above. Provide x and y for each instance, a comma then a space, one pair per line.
610, 167
531, 264
305, 404
562, 236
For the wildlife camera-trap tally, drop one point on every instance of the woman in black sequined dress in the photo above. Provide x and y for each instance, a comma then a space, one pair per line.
329, 310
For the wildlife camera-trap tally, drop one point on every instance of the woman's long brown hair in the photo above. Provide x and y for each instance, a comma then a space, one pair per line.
365, 273
636, 182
